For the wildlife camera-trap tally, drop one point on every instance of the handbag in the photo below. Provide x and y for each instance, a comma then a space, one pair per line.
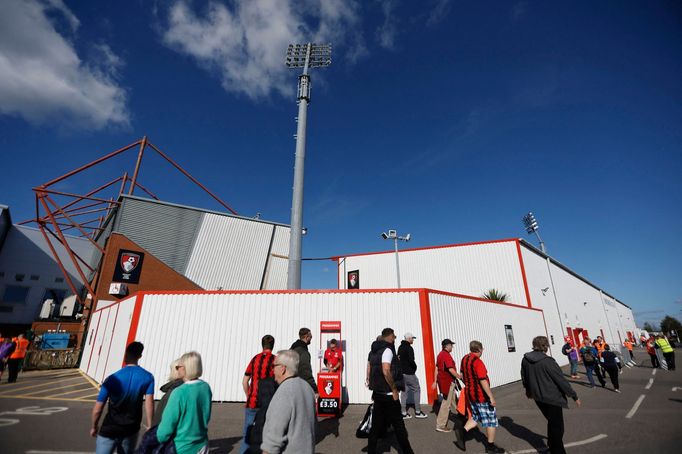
366, 424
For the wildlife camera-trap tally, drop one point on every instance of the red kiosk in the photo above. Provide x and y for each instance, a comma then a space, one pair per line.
329, 383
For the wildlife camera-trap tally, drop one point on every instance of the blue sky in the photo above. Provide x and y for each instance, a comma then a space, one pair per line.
448, 120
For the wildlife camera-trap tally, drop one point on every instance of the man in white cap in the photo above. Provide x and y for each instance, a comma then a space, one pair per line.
409, 368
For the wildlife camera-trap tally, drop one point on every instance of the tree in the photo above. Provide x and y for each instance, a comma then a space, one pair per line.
670, 323
648, 328
495, 295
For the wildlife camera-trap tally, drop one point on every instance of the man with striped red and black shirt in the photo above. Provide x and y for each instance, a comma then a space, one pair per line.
480, 397
260, 367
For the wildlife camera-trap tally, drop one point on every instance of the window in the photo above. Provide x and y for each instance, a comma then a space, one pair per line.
57, 294
6, 308
34, 277
2, 274
59, 280
15, 294
19, 277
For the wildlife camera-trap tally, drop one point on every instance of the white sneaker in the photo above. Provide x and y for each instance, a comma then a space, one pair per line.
407, 416
420, 415
443, 429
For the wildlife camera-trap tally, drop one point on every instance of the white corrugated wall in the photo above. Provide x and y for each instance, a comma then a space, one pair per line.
227, 329
463, 320
278, 266
542, 296
229, 253
468, 269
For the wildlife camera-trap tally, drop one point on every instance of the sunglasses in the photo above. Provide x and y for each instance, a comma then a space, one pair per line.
278, 364
178, 366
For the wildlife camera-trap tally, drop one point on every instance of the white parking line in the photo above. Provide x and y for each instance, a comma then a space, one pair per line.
651, 382
634, 408
653, 372
567, 445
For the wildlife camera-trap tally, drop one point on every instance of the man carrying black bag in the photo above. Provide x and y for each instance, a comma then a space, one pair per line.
386, 382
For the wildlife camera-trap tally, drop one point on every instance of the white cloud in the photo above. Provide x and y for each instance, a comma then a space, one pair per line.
386, 33
439, 12
246, 42
42, 79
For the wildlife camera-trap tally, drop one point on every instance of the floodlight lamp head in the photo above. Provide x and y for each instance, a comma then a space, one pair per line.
408, 237
384, 235
392, 234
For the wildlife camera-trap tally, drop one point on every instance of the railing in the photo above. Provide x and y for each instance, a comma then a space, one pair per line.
51, 359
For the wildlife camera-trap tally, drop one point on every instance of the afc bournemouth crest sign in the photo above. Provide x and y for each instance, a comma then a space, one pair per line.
128, 267
353, 279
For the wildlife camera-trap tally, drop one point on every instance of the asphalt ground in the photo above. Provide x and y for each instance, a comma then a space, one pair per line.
49, 413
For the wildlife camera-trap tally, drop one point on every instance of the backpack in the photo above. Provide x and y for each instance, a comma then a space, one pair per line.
588, 356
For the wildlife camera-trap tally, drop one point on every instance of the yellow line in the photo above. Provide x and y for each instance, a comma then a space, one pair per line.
82, 399
51, 374
48, 383
52, 389
75, 391
92, 382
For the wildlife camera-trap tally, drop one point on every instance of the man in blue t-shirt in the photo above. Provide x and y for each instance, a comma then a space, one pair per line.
125, 391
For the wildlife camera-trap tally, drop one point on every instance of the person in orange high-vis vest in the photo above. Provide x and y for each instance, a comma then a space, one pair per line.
628, 344
17, 357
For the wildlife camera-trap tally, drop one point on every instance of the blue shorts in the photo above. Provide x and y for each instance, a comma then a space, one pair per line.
484, 413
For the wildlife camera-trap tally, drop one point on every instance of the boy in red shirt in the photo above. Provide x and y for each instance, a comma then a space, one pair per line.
480, 396
446, 373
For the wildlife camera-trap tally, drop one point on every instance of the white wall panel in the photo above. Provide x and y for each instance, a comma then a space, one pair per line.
580, 304
229, 253
538, 277
463, 320
278, 266
90, 342
227, 328
102, 346
119, 337
469, 269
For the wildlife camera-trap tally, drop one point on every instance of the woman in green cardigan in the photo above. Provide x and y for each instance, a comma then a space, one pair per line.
186, 416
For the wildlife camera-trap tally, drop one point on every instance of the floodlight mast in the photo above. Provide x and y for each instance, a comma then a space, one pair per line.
304, 56
531, 225
393, 235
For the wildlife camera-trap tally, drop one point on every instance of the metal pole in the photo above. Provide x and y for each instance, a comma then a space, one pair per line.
542, 243
397, 262
294, 274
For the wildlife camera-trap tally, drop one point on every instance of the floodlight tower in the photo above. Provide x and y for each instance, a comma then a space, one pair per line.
393, 235
304, 56
531, 225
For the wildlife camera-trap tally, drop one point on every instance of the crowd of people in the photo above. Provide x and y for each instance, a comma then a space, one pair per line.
280, 392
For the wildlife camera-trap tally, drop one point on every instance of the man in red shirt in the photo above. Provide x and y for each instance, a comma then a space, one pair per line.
260, 367
446, 373
333, 358
480, 396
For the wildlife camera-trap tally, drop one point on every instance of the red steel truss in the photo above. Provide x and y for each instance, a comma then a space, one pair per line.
58, 212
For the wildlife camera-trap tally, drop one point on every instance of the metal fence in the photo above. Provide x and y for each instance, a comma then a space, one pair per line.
51, 359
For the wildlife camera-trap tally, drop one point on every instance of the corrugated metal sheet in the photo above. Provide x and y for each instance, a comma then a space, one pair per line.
463, 320
539, 279
469, 269
166, 231
278, 265
229, 253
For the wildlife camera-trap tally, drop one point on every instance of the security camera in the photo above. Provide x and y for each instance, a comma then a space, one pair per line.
392, 233
384, 235
408, 236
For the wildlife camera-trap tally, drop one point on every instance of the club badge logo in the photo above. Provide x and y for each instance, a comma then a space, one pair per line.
329, 388
129, 262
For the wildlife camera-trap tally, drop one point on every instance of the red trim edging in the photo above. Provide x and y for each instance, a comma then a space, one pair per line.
474, 243
135, 321
523, 273
427, 341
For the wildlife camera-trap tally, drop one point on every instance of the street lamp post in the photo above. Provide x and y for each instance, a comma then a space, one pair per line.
393, 235
304, 56
531, 225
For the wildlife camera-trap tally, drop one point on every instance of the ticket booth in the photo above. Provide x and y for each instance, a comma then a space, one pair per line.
329, 383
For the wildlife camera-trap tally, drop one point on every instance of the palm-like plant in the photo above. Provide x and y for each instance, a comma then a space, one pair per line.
495, 295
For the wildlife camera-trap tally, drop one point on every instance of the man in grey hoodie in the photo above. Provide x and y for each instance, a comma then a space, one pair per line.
545, 383
290, 420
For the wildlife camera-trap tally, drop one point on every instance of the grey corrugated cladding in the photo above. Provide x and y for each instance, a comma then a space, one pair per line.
166, 231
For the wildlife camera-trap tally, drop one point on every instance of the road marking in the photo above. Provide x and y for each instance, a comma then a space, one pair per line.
75, 391
92, 382
675, 388
58, 452
49, 383
634, 408
567, 445
52, 389
651, 382
48, 398
35, 411
653, 372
